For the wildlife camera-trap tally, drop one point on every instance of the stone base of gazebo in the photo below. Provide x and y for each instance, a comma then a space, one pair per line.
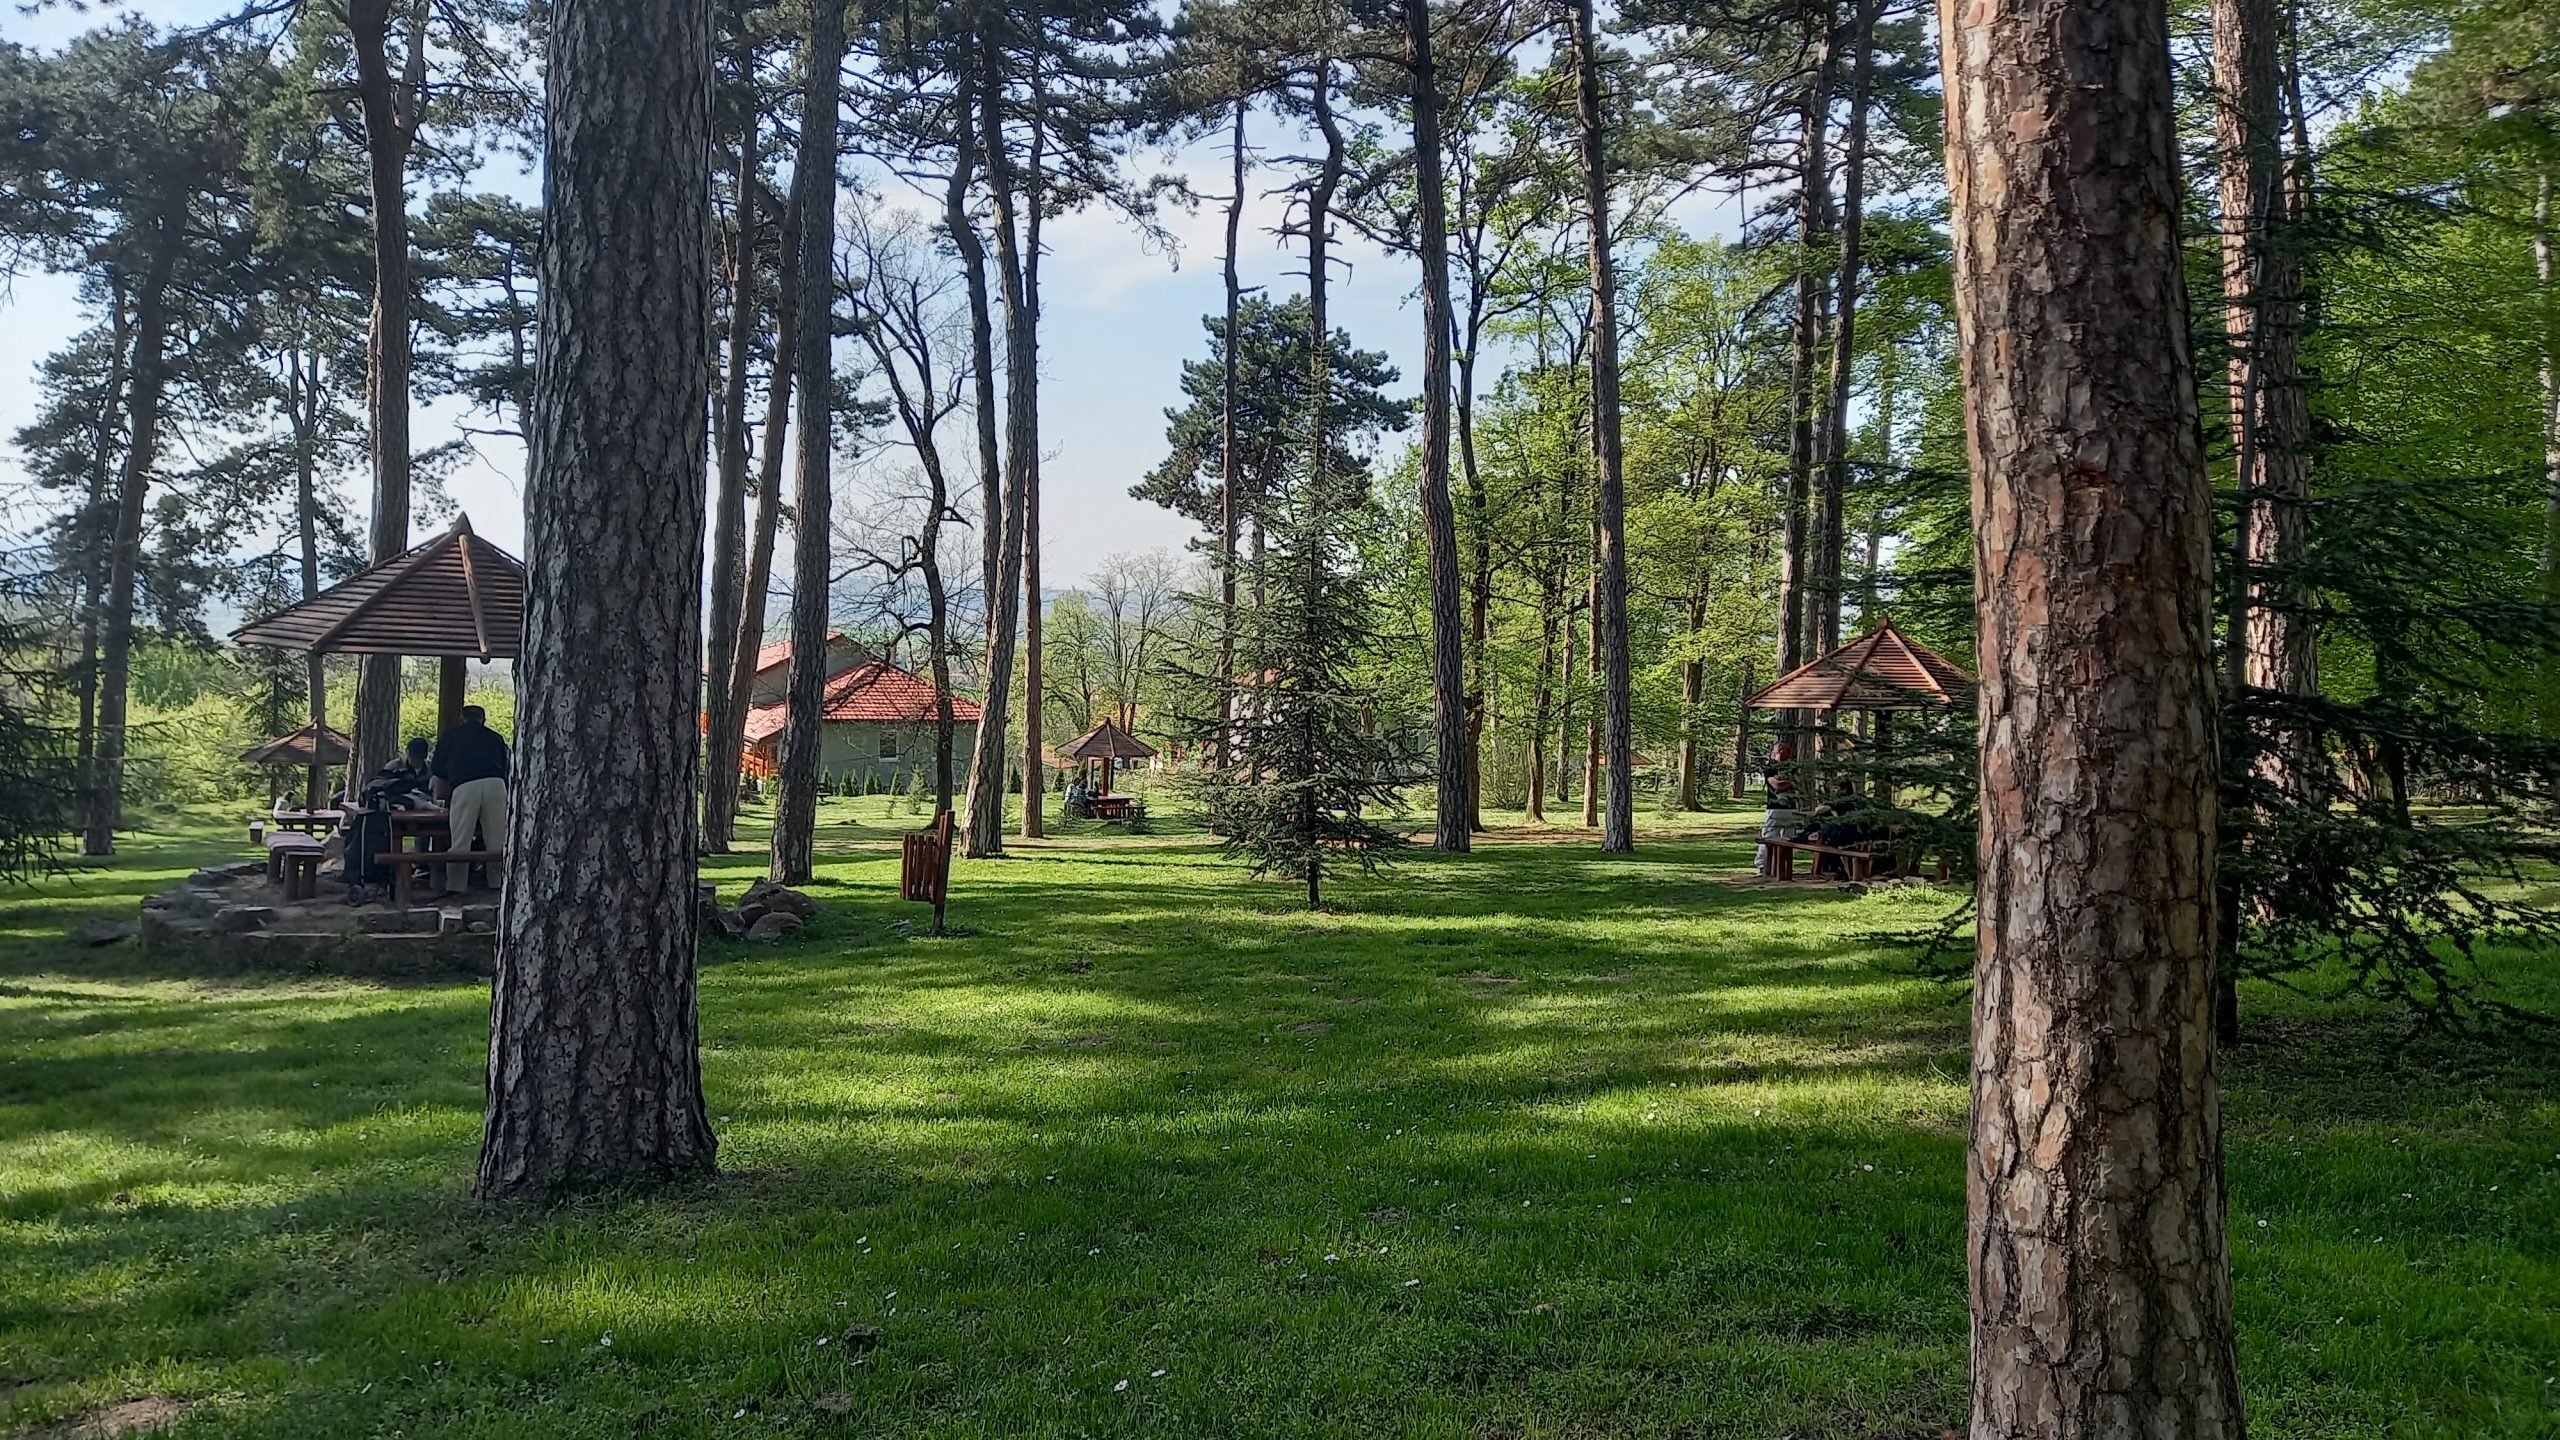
228, 918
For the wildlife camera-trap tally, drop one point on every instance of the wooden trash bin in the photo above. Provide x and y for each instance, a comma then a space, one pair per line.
924, 871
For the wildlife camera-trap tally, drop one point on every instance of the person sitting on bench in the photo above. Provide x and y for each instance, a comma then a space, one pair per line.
471, 773
1836, 824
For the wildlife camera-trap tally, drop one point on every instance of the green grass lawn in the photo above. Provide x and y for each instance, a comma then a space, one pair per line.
1533, 1143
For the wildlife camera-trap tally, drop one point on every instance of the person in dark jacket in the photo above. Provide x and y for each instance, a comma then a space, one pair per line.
471, 773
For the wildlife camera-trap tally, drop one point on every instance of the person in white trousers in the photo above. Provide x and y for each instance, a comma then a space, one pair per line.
471, 771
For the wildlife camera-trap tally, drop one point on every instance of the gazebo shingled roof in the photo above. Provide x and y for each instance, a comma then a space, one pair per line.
1107, 741
455, 595
296, 749
1883, 669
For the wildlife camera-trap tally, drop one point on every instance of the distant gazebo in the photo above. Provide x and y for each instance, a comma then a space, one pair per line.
455, 597
311, 745
1110, 743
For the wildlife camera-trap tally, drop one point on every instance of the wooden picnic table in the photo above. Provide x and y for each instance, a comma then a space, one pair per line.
1109, 807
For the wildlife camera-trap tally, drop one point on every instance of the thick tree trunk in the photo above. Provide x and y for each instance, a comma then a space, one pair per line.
989, 761
1453, 812
147, 388
1844, 310
2100, 1277
1609, 555
728, 542
727, 738
389, 104
595, 1073
795, 808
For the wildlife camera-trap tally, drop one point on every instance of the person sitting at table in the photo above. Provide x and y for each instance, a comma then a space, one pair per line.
1077, 797
401, 785
471, 773
1836, 821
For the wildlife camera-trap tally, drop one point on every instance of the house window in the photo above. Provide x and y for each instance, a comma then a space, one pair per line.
888, 744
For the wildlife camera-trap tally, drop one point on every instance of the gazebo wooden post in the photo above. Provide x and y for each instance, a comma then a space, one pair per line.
449, 683
1883, 735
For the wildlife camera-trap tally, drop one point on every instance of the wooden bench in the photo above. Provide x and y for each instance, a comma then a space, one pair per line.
282, 843
405, 865
1859, 863
302, 872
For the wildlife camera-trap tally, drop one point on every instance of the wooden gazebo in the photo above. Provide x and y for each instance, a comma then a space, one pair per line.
1881, 670
455, 597
1109, 743
311, 745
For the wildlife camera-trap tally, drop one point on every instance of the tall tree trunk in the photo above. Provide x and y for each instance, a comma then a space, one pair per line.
2550, 373
1230, 465
1022, 351
1542, 702
728, 543
727, 739
96, 538
2262, 311
988, 762
795, 808
304, 390
1319, 414
1813, 203
2101, 1286
1453, 811
389, 104
1609, 580
147, 388
1844, 327
962, 227
1480, 567
595, 1074
1742, 734
1693, 691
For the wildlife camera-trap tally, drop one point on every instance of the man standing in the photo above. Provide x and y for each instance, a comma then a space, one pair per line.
471, 775
1778, 780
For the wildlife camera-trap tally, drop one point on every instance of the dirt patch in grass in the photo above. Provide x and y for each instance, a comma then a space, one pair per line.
143, 1415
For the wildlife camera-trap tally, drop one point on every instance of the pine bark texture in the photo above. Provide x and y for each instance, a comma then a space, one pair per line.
795, 806
390, 121
594, 1067
1609, 583
1453, 811
1813, 202
2096, 1245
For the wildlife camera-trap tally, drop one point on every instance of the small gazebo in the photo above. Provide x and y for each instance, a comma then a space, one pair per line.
455, 597
311, 745
1110, 743
313, 749
1882, 670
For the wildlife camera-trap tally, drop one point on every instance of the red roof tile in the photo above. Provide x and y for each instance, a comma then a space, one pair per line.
872, 690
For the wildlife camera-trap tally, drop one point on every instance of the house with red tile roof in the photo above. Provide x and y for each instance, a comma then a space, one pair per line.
878, 727
773, 666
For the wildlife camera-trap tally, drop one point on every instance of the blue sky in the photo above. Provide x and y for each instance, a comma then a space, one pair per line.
1120, 316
